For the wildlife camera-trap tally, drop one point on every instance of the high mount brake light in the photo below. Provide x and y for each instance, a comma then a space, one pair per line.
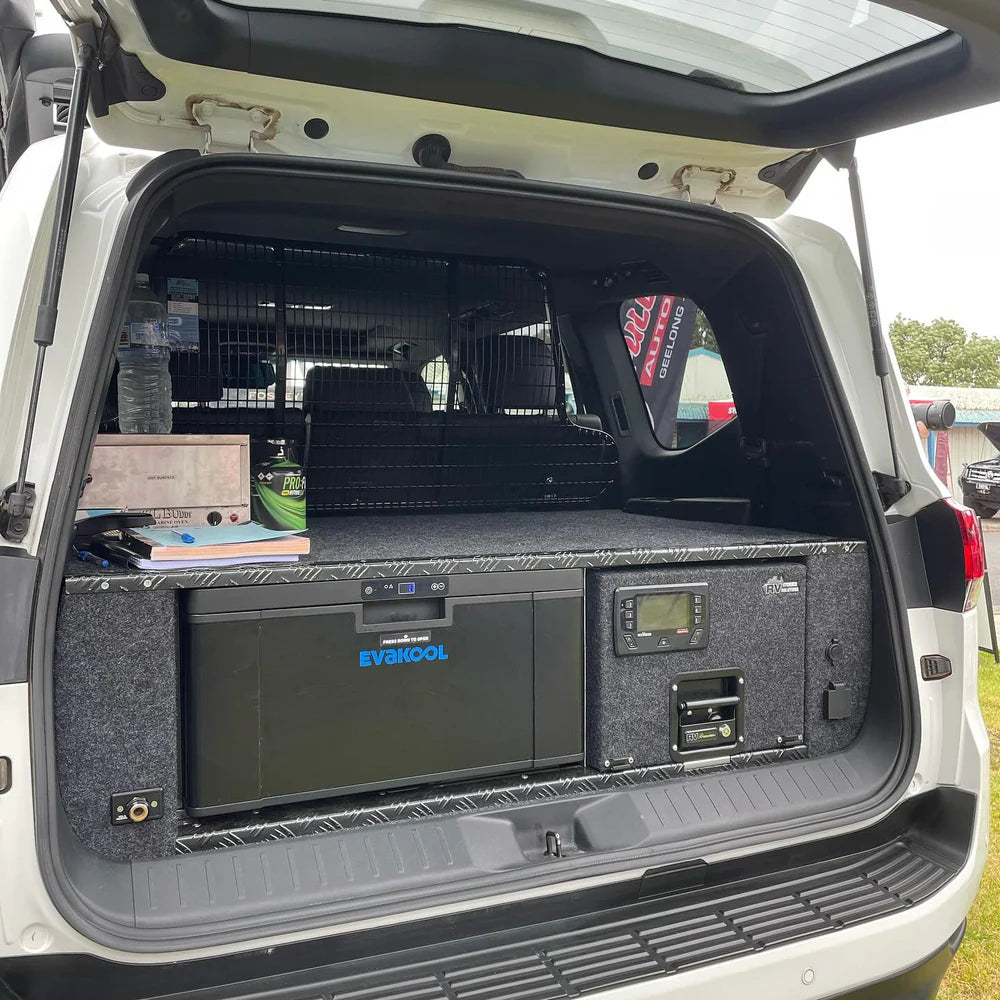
973, 549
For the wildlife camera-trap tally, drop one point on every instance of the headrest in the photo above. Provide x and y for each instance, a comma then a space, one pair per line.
48, 58
241, 371
195, 377
17, 25
517, 372
332, 387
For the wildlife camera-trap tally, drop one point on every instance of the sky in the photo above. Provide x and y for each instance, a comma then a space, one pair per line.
936, 251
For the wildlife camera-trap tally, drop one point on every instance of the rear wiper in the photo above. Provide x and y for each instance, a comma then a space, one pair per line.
717, 80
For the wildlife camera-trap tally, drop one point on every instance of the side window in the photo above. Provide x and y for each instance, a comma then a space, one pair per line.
571, 407
678, 367
436, 374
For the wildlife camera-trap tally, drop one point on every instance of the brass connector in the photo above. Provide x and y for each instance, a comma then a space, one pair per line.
138, 810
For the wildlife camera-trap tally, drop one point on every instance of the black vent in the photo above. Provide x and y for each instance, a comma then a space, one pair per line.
645, 269
61, 94
400, 381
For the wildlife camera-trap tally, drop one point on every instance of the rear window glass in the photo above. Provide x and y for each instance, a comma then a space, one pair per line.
762, 46
678, 367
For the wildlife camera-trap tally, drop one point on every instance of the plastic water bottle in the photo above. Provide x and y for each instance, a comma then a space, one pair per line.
144, 365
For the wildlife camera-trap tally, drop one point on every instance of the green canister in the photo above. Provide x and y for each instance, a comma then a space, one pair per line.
278, 495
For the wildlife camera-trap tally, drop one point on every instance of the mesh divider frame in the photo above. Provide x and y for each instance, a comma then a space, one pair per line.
401, 381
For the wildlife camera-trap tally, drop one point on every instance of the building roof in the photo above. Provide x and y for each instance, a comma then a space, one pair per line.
970, 418
972, 406
692, 411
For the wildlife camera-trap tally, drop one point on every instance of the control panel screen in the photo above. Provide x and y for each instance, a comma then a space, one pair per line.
661, 618
664, 612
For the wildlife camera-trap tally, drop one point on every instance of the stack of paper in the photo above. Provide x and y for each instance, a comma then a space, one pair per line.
194, 547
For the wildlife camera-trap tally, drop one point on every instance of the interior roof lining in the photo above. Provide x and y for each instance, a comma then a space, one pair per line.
569, 255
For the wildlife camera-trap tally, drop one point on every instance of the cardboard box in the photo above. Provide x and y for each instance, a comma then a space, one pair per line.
178, 478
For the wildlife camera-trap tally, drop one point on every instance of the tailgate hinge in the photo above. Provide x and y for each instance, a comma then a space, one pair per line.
230, 126
703, 185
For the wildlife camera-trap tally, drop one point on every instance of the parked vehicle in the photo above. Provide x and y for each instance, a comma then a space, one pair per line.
980, 481
621, 697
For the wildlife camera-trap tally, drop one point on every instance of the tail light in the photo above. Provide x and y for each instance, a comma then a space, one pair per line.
974, 551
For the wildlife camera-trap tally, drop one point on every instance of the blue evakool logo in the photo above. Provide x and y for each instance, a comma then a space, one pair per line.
401, 654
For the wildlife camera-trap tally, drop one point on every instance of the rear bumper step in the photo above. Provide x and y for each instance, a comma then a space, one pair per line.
570, 945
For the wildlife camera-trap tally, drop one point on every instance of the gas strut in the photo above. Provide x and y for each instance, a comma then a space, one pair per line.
894, 487
18, 499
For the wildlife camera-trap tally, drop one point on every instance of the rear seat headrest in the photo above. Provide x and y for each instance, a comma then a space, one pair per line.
516, 373
332, 387
195, 377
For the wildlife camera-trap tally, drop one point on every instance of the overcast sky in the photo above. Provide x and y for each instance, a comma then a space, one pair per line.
936, 249
933, 204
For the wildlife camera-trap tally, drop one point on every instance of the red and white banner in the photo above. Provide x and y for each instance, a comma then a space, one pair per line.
721, 410
658, 330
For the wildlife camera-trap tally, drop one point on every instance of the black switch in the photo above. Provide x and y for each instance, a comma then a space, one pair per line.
839, 702
935, 668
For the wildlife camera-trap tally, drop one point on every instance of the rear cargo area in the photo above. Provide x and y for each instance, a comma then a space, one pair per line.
535, 634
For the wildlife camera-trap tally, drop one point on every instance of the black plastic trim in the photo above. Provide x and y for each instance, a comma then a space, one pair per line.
844, 881
904, 536
124, 78
120, 75
150, 207
942, 547
530, 75
791, 173
18, 577
935, 667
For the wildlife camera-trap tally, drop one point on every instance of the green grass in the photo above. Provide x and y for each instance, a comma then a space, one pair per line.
975, 973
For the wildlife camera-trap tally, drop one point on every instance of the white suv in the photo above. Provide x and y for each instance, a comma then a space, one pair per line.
668, 692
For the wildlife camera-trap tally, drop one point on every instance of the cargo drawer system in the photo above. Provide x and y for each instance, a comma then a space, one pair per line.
405, 666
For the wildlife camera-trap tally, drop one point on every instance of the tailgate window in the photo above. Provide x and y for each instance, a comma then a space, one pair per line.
761, 46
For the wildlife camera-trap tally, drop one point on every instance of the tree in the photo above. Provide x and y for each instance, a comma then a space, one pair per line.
944, 353
703, 335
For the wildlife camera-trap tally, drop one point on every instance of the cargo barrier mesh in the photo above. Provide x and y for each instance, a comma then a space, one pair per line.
399, 381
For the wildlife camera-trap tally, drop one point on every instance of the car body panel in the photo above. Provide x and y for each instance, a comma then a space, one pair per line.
381, 127
207, 74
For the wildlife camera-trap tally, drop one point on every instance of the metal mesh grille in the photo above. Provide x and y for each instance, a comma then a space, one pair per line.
400, 381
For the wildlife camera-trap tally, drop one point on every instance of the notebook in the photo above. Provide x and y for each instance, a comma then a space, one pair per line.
235, 542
